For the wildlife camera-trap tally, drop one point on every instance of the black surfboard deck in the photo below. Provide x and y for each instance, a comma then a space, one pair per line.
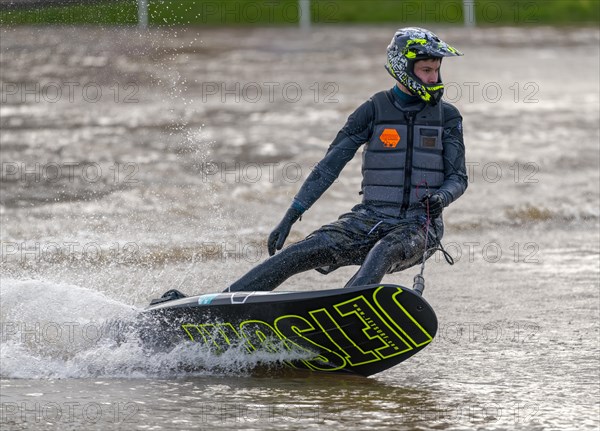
362, 330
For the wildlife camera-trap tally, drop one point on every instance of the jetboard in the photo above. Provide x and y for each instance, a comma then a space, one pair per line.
362, 330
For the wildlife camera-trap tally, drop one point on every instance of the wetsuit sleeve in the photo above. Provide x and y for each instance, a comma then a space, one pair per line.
455, 172
356, 132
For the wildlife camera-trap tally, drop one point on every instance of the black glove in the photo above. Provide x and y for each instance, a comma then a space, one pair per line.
434, 204
281, 232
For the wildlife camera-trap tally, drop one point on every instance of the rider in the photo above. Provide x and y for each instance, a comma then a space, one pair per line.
413, 167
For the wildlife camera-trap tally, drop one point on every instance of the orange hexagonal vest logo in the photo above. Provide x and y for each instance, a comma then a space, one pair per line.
390, 138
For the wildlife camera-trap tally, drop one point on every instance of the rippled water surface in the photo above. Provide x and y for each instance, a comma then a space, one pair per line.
135, 163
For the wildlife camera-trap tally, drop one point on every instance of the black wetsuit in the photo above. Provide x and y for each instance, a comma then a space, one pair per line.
382, 237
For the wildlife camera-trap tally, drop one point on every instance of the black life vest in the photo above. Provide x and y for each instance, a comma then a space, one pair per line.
403, 160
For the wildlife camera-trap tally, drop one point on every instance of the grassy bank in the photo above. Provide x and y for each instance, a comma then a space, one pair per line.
285, 12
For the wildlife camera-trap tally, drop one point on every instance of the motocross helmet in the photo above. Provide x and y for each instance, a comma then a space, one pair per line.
407, 47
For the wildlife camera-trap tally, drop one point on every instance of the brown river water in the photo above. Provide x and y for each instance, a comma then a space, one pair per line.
133, 163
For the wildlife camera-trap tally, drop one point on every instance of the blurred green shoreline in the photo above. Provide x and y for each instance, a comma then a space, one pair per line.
286, 12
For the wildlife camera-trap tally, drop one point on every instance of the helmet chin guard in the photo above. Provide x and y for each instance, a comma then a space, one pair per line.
410, 45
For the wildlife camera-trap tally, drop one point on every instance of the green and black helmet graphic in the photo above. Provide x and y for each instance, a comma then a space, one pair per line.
410, 45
